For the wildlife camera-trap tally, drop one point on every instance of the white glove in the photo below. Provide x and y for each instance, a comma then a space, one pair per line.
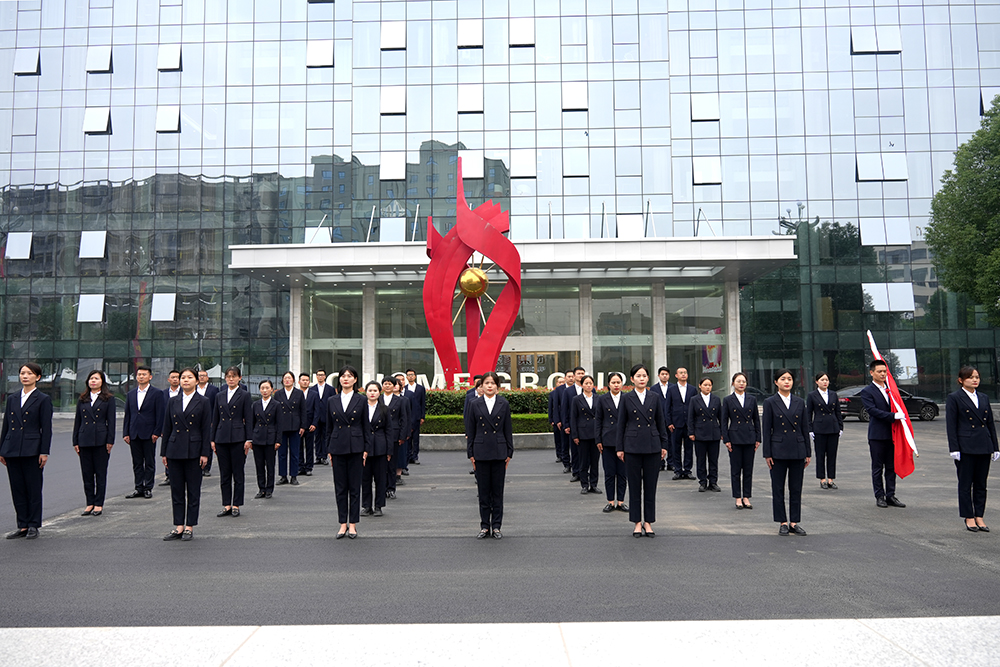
841, 433
996, 455
955, 455
900, 415
812, 436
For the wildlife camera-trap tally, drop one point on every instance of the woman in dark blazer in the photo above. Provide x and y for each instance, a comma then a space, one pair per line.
643, 442
786, 450
826, 425
399, 416
346, 439
490, 446
93, 438
972, 442
607, 443
25, 439
265, 440
232, 437
187, 441
741, 436
292, 423
704, 424
381, 432
583, 431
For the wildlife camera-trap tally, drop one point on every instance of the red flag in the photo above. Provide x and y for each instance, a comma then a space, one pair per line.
902, 430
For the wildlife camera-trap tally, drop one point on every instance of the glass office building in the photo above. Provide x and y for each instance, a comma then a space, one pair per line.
722, 185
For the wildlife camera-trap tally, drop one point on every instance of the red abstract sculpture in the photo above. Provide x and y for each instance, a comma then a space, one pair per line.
480, 230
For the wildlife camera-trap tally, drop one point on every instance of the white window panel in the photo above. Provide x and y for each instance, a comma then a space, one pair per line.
470, 33
168, 119
392, 166
863, 39
900, 297
522, 163
705, 106
27, 62
168, 58
869, 166
872, 231
472, 163
523, 227
97, 120
876, 297
576, 162
99, 59
897, 231
393, 35
91, 308
470, 98
319, 53
574, 96
392, 230
894, 167
163, 308
319, 235
522, 32
887, 39
18, 245
631, 226
393, 100
707, 170
987, 95
92, 244
576, 226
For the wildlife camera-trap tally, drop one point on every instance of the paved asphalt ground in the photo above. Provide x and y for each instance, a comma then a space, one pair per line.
561, 559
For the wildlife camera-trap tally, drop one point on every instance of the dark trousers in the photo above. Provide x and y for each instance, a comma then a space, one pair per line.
883, 454
94, 466
708, 453
741, 467
26, 490
321, 443
347, 486
574, 453
614, 474
143, 463
643, 470
973, 470
232, 464
683, 450
590, 459
794, 469
263, 459
374, 473
413, 451
185, 490
307, 452
490, 476
390, 468
401, 455
557, 438
288, 453
208, 466
826, 454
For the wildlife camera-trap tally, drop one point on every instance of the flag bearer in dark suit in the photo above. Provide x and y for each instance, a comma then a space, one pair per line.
678, 396
399, 419
490, 446
418, 412
826, 425
93, 438
786, 450
266, 438
24, 448
643, 441
741, 436
875, 399
209, 391
705, 430
292, 423
141, 427
607, 444
186, 443
322, 391
347, 442
307, 446
555, 421
232, 437
583, 430
972, 442
381, 432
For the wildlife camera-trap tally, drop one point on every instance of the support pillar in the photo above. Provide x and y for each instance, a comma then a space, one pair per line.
368, 357
734, 349
659, 327
586, 329
295, 330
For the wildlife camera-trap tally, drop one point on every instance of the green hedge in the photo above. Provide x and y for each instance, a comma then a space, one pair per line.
438, 424
522, 402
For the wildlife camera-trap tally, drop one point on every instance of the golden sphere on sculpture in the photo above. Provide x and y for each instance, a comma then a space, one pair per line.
473, 282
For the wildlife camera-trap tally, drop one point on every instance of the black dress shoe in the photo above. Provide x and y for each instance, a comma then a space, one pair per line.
282, 480
366, 511
574, 478
415, 462
205, 473
637, 533
797, 530
228, 512
677, 476
880, 502
97, 512
983, 529
714, 487
567, 469
472, 472
260, 494
135, 494
740, 506
608, 508
187, 536
352, 536
342, 535
172, 535
747, 506
702, 488
895, 502
670, 467
147, 494
622, 507
294, 481
23, 532
377, 512
497, 535
236, 511
165, 482
824, 485
406, 472
584, 490
307, 473
783, 531
833, 485
86, 512
483, 534
972, 529
593, 489
650, 533
267, 496
390, 494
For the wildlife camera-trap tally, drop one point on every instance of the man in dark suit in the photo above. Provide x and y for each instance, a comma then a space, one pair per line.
875, 399
309, 442
173, 389
676, 411
571, 389
660, 389
322, 391
418, 412
208, 391
555, 422
474, 392
144, 412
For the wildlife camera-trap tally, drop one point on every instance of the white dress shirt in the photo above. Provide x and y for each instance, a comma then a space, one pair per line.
387, 398
590, 401
371, 410
185, 400
24, 396
230, 393
825, 395
489, 402
616, 398
683, 389
345, 398
885, 393
93, 396
972, 396
641, 395
140, 396
173, 392
787, 400
264, 402
706, 398
201, 390
742, 398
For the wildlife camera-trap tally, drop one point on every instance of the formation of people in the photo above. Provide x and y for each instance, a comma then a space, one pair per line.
369, 436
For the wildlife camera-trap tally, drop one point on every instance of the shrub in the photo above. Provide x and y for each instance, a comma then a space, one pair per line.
453, 424
522, 401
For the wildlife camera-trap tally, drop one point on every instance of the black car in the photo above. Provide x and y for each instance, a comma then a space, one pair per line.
917, 406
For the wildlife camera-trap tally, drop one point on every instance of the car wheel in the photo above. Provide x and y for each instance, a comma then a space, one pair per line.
863, 416
928, 413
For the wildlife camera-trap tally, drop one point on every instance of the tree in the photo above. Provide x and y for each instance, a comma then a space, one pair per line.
964, 232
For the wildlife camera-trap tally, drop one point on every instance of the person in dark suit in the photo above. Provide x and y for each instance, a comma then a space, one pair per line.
607, 443
583, 431
875, 399
186, 443
704, 426
678, 396
347, 449
232, 437
209, 391
25, 439
555, 421
661, 388
826, 425
141, 427
399, 419
571, 389
643, 441
322, 392
786, 450
266, 439
173, 389
972, 443
475, 391
307, 443
380, 432
402, 455
741, 436
418, 412
292, 423
490, 446
93, 438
